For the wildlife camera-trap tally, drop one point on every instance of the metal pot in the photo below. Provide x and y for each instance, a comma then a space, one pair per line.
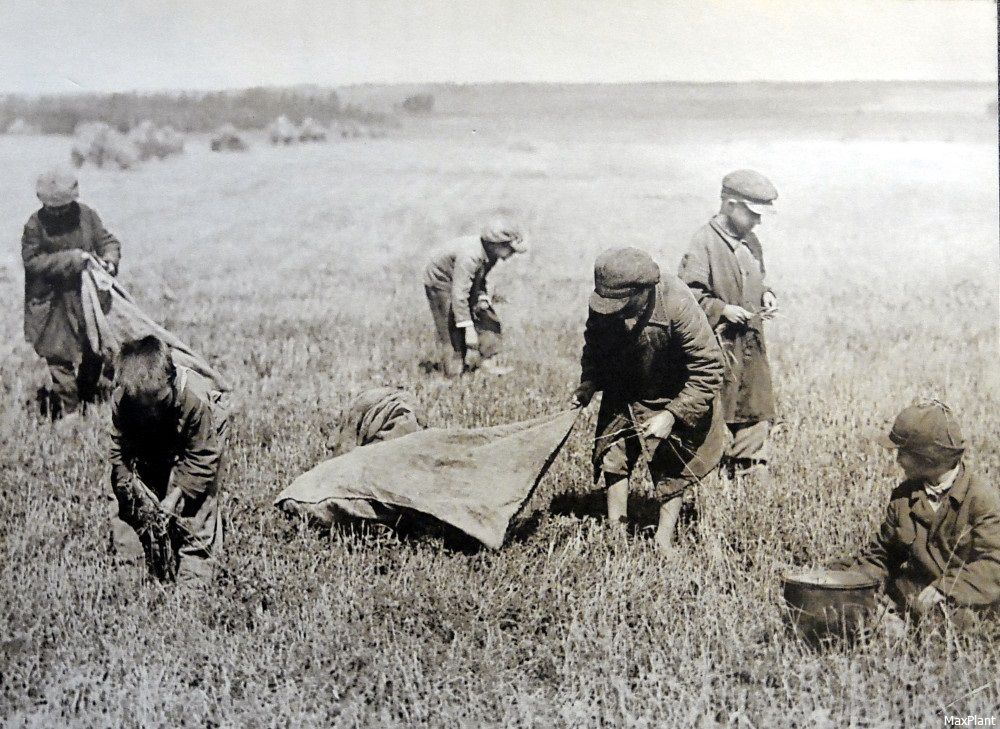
829, 604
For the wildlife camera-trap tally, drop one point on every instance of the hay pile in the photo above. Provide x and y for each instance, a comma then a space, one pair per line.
100, 145
152, 141
227, 139
312, 131
282, 131
20, 126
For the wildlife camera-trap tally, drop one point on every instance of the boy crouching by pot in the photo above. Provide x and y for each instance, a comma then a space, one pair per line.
938, 549
168, 432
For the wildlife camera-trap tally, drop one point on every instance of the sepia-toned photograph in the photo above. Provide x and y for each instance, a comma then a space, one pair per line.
499, 364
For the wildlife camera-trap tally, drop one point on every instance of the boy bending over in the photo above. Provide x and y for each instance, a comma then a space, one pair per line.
168, 431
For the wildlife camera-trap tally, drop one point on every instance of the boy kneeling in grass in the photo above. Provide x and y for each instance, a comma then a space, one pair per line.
168, 431
938, 549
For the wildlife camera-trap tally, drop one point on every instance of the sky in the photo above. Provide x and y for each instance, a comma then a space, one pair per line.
66, 46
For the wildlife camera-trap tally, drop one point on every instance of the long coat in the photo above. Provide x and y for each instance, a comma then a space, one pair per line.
721, 269
51, 250
669, 361
956, 548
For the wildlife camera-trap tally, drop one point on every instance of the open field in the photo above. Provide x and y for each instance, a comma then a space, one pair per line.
297, 271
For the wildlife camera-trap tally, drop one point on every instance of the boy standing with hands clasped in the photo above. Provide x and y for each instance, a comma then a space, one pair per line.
725, 269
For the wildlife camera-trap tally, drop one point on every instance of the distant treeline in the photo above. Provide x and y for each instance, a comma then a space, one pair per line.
185, 111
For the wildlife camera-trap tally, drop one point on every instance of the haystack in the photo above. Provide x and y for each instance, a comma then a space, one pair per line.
20, 126
99, 144
282, 131
227, 139
312, 131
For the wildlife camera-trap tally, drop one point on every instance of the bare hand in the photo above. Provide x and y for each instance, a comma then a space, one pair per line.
659, 426
927, 599
583, 395
736, 314
472, 359
769, 300
171, 500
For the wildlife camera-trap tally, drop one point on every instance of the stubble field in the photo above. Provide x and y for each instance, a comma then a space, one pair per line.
297, 271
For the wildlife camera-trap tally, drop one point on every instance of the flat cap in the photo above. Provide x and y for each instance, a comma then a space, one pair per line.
57, 187
928, 428
750, 188
502, 229
619, 273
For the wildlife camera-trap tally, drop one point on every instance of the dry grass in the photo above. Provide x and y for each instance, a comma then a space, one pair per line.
297, 270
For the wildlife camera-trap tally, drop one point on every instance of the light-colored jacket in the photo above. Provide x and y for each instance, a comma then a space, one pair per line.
713, 271
460, 266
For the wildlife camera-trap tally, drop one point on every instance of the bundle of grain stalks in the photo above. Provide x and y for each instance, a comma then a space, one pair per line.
158, 531
349, 129
282, 131
99, 144
227, 139
152, 141
312, 131
20, 126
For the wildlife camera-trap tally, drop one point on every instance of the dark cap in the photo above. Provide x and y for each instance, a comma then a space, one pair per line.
620, 273
929, 429
750, 188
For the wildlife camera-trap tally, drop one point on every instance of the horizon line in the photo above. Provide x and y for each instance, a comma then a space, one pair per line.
370, 84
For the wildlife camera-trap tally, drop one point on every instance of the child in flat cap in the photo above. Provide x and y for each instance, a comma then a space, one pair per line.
59, 241
939, 544
649, 349
467, 326
725, 268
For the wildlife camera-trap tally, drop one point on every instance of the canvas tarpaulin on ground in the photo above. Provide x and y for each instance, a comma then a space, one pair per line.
474, 480
108, 326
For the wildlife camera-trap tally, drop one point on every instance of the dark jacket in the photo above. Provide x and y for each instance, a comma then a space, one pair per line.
713, 271
180, 446
51, 250
670, 361
956, 548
